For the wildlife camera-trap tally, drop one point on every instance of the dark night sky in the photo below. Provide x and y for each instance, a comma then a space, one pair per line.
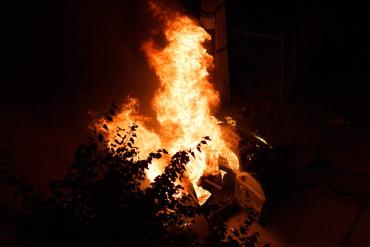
61, 59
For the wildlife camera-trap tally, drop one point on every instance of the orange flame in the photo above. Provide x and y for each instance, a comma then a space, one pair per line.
183, 102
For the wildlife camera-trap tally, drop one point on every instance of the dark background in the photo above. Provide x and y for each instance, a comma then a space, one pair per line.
61, 60
64, 59
326, 50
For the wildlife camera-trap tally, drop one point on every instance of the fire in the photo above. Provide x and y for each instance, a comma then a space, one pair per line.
183, 103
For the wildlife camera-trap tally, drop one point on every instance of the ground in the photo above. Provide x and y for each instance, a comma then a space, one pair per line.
325, 201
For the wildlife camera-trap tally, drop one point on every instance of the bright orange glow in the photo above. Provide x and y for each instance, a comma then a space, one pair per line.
183, 103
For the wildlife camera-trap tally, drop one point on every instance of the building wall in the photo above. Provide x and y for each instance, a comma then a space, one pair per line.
213, 18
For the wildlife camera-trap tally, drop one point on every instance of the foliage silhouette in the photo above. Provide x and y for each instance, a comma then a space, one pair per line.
102, 202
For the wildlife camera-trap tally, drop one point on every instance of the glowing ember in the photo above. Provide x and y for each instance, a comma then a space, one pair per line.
183, 103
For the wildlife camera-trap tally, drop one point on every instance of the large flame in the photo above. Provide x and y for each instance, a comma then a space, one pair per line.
183, 103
